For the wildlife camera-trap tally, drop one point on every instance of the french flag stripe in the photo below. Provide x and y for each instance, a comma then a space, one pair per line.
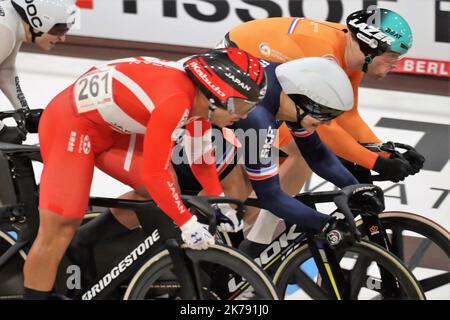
301, 134
226, 160
261, 174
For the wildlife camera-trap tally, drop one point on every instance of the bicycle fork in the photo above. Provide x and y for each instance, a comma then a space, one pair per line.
190, 287
378, 235
329, 269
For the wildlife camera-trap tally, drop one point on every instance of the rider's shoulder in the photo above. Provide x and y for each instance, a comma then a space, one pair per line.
8, 17
11, 29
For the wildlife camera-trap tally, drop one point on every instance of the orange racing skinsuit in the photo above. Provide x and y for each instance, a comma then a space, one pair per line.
284, 39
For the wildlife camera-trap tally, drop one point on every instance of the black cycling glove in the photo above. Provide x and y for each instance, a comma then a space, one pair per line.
394, 169
32, 117
415, 159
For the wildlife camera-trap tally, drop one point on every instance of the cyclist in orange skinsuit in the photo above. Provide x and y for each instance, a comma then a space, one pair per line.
284, 39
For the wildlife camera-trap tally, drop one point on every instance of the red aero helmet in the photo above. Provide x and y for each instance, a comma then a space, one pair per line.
230, 78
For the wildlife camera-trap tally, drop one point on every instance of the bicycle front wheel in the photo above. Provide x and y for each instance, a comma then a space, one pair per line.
225, 274
423, 246
361, 266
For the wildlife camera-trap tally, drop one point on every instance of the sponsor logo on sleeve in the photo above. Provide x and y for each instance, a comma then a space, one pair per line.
264, 49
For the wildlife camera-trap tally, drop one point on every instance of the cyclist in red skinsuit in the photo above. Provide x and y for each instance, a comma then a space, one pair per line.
147, 96
142, 101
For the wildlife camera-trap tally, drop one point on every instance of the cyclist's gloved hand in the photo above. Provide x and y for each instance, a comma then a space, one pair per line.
32, 117
227, 219
415, 159
12, 135
393, 169
196, 235
337, 233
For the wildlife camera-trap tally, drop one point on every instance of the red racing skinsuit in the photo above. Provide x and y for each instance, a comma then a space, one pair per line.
102, 118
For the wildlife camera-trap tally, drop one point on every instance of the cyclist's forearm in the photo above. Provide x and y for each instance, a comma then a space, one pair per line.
163, 191
10, 86
323, 162
345, 146
353, 124
272, 198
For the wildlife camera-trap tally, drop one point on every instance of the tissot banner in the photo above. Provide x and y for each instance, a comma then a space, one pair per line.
202, 23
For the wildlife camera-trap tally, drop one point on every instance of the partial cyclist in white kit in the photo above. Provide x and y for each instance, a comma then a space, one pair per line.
41, 22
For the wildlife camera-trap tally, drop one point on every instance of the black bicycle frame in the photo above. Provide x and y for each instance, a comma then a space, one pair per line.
19, 194
160, 230
323, 255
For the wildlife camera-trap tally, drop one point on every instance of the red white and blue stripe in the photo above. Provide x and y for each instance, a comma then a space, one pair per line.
301, 133
262, 173
293, 25
227, 159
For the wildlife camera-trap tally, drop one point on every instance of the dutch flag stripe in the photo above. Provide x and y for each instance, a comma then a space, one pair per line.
293, 25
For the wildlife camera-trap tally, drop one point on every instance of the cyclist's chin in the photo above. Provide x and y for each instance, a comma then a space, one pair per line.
378, 74
230, 122
46, 46
310, 128
222, 123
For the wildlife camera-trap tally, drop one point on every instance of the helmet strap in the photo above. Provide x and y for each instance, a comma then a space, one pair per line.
35, 34
302, 116
211, 109
367, 60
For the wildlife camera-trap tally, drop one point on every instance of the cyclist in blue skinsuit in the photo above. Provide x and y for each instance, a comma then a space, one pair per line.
326, 94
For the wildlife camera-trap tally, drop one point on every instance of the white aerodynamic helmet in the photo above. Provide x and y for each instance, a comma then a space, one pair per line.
52, 16
318, 86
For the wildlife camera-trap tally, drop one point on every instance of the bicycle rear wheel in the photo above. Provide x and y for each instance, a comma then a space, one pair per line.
360, 264
225, 274
423, 246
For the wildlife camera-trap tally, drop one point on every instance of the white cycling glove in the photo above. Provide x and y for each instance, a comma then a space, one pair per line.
196, 235
227, 220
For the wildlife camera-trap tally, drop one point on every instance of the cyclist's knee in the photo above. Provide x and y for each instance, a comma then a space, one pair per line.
127, 217
141, 193
236, 184
56, 228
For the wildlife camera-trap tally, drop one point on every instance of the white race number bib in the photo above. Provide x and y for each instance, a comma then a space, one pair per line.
94, 89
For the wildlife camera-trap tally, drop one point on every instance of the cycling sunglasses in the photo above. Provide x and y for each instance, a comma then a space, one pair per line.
240, 106
315, 110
